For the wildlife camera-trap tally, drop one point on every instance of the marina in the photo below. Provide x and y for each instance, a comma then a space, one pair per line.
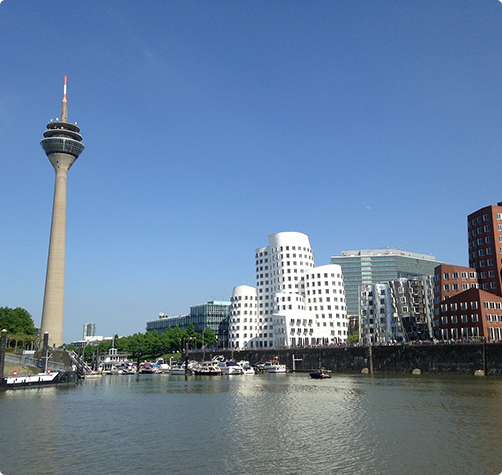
349, 424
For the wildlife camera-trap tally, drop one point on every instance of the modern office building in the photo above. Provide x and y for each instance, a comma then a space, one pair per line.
294, 302
213, 314
62, 145
165, 321
380, 265
400, 310
484, 230
89, 330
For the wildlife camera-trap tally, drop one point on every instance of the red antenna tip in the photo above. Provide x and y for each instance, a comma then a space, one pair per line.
64, 91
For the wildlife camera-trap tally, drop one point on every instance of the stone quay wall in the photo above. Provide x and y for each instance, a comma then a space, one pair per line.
465, 358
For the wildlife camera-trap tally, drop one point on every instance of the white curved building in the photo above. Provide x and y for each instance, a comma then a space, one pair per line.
325, 298
289, 297
243, 327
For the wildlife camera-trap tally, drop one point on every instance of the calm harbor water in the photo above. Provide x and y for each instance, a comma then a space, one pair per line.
261, 424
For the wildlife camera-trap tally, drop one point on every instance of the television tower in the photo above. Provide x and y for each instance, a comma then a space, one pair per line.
62, 145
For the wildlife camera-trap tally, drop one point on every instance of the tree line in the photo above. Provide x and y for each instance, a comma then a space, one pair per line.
152, 344
22, 334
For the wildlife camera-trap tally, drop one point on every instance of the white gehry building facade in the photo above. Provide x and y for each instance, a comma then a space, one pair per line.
296, 303
243, 322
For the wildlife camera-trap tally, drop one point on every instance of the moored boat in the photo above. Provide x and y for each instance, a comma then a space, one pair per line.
273, 366
230, 367
49, 378
162, 366
179, 369
207, 368
246, 367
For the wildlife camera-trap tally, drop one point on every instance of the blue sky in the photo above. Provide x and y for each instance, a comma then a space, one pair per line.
209, 125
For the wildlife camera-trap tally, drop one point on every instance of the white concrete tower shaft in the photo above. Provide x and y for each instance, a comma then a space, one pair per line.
62, 145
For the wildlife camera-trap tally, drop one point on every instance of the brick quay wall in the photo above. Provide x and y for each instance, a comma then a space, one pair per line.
466, 358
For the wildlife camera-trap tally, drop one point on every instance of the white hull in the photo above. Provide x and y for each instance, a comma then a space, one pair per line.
246, 367
275, 367
178, 371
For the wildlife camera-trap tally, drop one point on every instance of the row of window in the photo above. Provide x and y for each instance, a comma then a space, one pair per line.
481, 253
486, 217
454, 306
455, 287
453, 319
482, 264
456, 333
326, 291
455, 276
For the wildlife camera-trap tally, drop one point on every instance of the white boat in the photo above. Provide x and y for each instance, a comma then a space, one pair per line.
246, 367
162, 366
230, 367
49, 378
207, 368
179, 369
273, 366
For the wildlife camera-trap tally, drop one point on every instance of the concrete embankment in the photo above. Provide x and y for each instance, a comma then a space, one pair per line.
466, 358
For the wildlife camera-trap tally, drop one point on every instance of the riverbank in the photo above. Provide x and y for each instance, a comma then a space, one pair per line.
456, 358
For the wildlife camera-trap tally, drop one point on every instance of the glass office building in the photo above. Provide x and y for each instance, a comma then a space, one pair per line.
381, 265
213, 314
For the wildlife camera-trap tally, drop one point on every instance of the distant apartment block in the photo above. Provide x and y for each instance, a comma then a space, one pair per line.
294, 302
89, 337
399, 310
372, 266
89, 330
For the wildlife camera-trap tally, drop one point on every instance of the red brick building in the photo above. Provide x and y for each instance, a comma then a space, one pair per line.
484, 229
468, 300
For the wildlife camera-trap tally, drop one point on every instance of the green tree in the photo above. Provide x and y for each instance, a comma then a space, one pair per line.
354, 337
17, 321
208, 338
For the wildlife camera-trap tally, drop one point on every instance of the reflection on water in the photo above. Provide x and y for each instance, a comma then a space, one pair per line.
261, 424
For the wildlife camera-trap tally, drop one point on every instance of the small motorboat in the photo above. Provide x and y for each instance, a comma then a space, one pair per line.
246, 367
229, 367
207, 368
273, 366
320, 374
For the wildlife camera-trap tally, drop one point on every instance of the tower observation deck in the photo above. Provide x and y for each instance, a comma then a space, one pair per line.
62, 144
